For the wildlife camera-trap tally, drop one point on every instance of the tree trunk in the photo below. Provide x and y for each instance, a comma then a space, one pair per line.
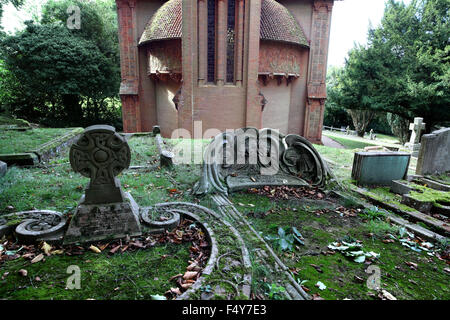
361, 120
72, 107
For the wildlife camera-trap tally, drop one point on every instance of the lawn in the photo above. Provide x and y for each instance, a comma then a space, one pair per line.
12, 141
343, 277
55, 186
122, 276
354, 142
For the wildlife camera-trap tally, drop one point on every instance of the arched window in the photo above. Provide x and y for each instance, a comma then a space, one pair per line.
211, 70
231, 36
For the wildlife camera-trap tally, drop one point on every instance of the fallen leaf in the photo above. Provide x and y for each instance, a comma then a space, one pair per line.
114, 250
38, 258
316, 267
23, 272
190, 275
175, 290
193, 267
177, 276
186, 286
95, 249
316, 296
387, 295
46, 248
412, 265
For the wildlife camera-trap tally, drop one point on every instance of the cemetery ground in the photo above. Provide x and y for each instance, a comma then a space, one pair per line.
148, 268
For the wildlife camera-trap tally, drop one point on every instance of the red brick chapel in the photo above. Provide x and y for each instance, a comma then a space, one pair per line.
227, 63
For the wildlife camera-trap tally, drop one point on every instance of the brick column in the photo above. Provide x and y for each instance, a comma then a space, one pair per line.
129, 86
251, 58
316, 91
189, 48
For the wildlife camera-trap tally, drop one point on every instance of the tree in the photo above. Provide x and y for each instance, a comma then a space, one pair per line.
52, 70
65, 76
403, 70
399, 126
335, 114
414, 44
354, 87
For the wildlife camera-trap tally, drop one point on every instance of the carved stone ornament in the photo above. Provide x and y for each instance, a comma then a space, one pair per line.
252, 158
34, 225
101, 154
105, 211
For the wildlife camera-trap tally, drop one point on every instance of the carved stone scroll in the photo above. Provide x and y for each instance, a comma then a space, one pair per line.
249, 158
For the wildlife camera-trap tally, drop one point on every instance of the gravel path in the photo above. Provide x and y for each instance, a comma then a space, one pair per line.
328, 142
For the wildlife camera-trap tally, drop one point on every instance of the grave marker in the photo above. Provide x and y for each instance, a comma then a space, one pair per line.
414, 143
105, 211
434, 155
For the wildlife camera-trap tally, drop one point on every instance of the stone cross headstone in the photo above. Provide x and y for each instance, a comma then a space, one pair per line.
104, 211
414, 143
347, 130
371, 135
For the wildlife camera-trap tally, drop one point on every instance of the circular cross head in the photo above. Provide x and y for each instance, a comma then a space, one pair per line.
100, 154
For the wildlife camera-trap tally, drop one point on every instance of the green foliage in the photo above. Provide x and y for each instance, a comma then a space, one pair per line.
274, 292
405, 68
373, 213
62, 77
335, 114
399, 126
285, 241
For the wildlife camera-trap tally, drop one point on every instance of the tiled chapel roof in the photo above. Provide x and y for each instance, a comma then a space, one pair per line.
277, 24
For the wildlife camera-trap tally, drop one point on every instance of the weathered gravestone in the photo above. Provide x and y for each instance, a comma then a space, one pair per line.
3, 168
380, 168
104, 211
372, 136
434, 155
414, 143
251, 158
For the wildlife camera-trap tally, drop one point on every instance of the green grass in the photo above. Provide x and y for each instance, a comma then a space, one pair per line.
134, 275
352, 144
12, 141
8, 121
429, 280
57, 187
